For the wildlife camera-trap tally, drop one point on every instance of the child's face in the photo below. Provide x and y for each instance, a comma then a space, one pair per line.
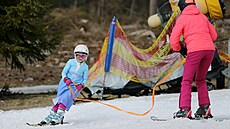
81, 56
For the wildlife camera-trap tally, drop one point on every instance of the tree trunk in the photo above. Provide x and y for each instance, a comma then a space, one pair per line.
132, 7
152, 7
75, 4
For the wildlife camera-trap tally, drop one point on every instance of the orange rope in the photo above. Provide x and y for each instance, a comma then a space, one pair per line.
132, 113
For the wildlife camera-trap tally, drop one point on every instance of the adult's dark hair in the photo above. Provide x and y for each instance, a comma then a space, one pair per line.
184, 3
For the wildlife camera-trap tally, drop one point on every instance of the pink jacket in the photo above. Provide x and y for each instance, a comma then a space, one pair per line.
197, 31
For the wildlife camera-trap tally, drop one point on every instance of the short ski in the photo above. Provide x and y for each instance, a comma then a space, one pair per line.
39, 124
36, 124
219, 119
154, 118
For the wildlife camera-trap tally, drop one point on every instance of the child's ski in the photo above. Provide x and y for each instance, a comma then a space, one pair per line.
36, 124
39, 124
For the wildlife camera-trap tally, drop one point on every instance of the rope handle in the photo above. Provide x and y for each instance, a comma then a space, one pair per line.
132, 113
71, 90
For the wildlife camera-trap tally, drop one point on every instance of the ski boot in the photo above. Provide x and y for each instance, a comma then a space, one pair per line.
59, 117
48, 119
183, 114
203, 112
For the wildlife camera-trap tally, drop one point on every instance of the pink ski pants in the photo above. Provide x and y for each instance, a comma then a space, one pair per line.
197, 63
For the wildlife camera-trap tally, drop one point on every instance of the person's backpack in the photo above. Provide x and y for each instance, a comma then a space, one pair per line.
216, 9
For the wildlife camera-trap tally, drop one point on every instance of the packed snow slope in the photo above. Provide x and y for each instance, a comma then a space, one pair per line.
97, 116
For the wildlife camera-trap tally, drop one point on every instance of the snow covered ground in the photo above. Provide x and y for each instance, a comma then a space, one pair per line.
97, 116
35, 89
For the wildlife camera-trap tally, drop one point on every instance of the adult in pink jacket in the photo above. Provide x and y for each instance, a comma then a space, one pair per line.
198, 35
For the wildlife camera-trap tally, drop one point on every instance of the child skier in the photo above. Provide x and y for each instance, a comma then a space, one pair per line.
198, 35
74, 77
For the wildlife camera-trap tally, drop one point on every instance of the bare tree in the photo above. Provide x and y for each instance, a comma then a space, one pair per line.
75, 4
131, 9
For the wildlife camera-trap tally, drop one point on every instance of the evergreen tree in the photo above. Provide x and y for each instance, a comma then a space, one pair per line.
24, 36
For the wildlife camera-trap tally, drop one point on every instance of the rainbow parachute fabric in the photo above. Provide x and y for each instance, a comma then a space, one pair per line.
126, 62
120, 61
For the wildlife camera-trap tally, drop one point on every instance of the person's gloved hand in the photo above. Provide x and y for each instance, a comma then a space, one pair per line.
79, 87
183, 51
67, 81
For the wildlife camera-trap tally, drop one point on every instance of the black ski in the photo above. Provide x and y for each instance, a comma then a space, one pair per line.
218, 119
